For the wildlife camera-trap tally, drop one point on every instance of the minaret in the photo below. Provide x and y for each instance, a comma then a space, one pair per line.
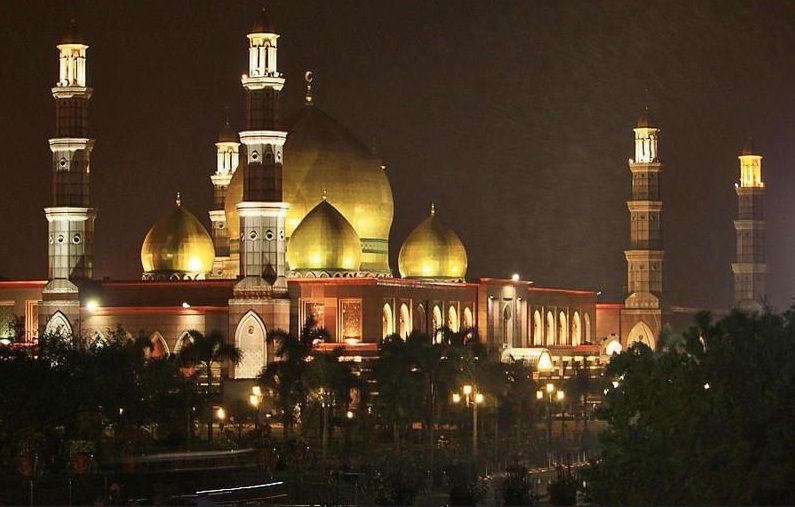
645, 253
227, 155
70, 216
260, 297
750, 268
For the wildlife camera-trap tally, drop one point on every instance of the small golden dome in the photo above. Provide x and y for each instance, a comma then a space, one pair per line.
177, 246
324, 241
432, 251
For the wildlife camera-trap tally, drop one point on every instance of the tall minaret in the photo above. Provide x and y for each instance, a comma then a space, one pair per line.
227, 155
645, 253
260, 298
750, 268
70, 216
262, 211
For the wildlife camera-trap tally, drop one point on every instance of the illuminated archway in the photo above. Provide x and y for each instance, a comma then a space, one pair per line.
98, 340
549, 334
614, 347
184, 339
419, 319
469, 321
576, 329
452, 319
387, 321
537, 328
404, 321
587, 319
641, 332
507, 326
250, 337
158, 346
437, 318
563, 329
58, 325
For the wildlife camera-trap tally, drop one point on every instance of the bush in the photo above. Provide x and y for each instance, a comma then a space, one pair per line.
517, 488
396, 483
563, 490
466, 488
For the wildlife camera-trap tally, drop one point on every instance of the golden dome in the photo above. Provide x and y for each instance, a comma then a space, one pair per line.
177, 246
321, 154
324, 241
432, 251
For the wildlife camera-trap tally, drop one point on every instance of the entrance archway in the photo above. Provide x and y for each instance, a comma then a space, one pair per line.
250, 337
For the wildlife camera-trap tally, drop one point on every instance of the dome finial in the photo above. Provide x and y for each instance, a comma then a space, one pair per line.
179, 200
308, 77
433, 208
323, 194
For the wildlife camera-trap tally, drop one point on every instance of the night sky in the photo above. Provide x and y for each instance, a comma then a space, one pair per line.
514, 116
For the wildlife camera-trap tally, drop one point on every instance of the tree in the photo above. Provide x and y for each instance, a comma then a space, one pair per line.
206, 351
704, 420
285, 375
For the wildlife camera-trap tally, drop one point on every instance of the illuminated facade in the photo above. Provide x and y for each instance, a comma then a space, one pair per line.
750, 269
301, 217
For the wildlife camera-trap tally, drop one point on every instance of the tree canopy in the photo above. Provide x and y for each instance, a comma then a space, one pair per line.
706, 419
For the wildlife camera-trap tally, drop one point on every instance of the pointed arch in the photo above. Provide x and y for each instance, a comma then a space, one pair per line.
98, 339
452, 319
437, 323
549, 332
250, 338
641, 332
419, 319
469, 319
183, 339
158, 347
58, 325
404, 321
537, 328
387, 321
576, 329
587, 319
563, 329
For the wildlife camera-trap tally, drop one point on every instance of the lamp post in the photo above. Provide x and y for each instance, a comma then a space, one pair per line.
255, 400
473, 398
550, 392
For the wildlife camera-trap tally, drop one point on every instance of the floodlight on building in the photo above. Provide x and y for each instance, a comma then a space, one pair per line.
92, 305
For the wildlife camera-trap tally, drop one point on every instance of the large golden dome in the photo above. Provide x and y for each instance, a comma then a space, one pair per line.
177, 246
433, 252
324, 241
320, 154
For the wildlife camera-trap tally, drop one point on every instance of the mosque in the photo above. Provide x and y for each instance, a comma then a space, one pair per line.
300, 226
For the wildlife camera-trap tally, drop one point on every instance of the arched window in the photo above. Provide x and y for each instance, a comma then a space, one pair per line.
183, 340
58, 325
537, 328
158, 346
452, 319
250, 337
507, 326
469, 321
437, 318
587, 319
576, 329
98, 340
549, 332
404, 322
419, 319
641, 332
387, 321
563, 329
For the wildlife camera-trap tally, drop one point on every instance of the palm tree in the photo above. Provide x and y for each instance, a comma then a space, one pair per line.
284, 376
205, 351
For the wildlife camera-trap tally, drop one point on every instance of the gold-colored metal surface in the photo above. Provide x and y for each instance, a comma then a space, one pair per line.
321, 154
178, 243
432, 251
324, 241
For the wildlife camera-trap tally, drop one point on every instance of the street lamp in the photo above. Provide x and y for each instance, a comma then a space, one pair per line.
473, 398
550, 392
255, 400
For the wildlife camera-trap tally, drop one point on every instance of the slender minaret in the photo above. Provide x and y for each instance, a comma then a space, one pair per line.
260, 298
750, 268
70, 216
645, 253
262, 211
227, 155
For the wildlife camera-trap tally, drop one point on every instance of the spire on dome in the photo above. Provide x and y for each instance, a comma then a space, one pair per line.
323, 194
433, 208
263, 23
749, 148
178, 200
645, 119
308, 78
72, 35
